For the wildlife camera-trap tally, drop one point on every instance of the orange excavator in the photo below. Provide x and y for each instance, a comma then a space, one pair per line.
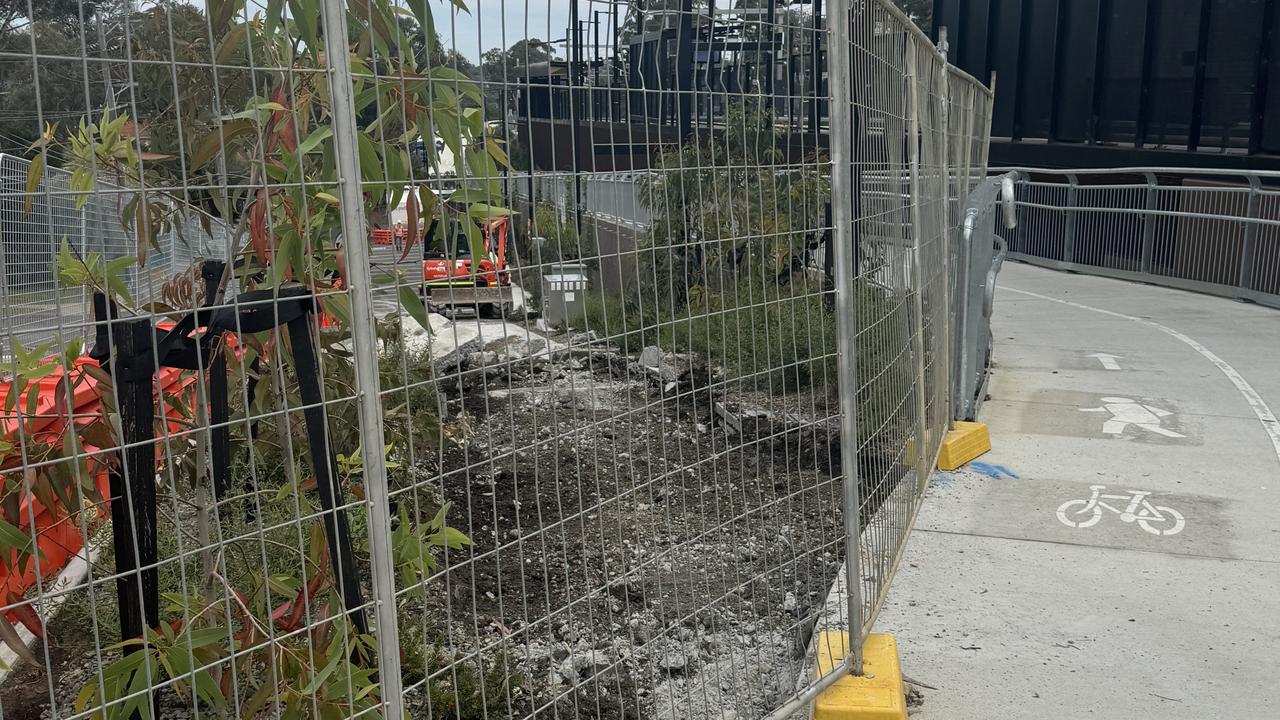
456, 279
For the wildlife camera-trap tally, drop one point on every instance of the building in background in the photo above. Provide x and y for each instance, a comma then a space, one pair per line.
1122, 83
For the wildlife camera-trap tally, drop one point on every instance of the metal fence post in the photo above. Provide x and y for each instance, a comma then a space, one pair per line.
840, 69
365, 349
917, 270
944, 119
1069, 232
1149, 223
1249, 246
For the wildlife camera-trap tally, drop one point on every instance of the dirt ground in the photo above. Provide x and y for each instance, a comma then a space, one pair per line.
638, 553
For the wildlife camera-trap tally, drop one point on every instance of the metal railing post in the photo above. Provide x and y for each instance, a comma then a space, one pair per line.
1069, 232
1249, 246
840, 69
950, 345
917, 268
1149, 223
365, 348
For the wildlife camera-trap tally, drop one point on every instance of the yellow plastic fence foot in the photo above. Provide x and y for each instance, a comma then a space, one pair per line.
965, 442
877, 694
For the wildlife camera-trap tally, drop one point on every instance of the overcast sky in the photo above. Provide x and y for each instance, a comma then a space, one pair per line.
497, 23
500, 23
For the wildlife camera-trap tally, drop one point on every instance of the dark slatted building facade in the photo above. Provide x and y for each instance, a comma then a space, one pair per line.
1113, 83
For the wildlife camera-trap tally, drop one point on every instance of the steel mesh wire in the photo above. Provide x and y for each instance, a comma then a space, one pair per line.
503, 385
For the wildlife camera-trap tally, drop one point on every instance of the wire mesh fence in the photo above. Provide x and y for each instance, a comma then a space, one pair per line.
562, 380
36, 305
1203, 230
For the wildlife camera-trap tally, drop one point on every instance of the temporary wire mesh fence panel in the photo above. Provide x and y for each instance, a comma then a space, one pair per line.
916, 164
37, 306
429, 382
1200, 230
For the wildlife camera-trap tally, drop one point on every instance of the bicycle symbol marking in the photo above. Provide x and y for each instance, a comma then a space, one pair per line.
1159, 520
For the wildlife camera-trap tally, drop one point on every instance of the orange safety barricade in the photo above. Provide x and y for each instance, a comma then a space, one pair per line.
58, 537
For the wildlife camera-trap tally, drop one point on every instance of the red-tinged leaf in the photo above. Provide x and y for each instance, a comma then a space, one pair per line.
258, 229
10, 637
29, 618
98, 374
340, 262
281, 123
297, 612
61, 395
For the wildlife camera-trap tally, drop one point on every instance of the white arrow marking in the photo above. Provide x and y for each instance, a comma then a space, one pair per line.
1108, 361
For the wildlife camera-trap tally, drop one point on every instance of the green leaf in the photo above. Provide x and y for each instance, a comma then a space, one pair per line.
458, 82
306, 14
290, 246
324, 674
412, 304
274, 16
115, 282
319, 135
339, 306
495, 150
217, 140
204, 637
469, 195
231, 43
11, 538
34, 173
475, 240
484, 211
71, 271
370, 163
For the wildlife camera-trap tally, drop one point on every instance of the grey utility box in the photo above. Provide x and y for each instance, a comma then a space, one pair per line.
564, 293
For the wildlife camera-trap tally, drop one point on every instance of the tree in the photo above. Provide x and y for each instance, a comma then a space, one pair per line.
500, 71
58, 94
920, 11
13, 13
726, 205
269, 159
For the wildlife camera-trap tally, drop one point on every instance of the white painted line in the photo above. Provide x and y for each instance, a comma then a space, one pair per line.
71, 577
1108, 360
1270, 423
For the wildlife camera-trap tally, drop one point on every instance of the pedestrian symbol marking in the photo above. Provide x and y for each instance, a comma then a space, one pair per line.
1125, 412
1134, 507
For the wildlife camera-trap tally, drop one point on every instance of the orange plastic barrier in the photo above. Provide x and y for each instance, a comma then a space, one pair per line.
58, 536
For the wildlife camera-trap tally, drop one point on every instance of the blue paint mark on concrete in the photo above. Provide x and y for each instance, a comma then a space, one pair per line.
995, 472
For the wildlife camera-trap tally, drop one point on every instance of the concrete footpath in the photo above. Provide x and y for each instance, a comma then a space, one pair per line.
1117, 555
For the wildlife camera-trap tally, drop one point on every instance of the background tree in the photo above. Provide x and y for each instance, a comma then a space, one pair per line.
268, 157
921, 11
722, 210
501, 72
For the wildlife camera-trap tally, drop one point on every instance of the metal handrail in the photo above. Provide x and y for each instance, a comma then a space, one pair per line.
1215, 240
1185, 171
